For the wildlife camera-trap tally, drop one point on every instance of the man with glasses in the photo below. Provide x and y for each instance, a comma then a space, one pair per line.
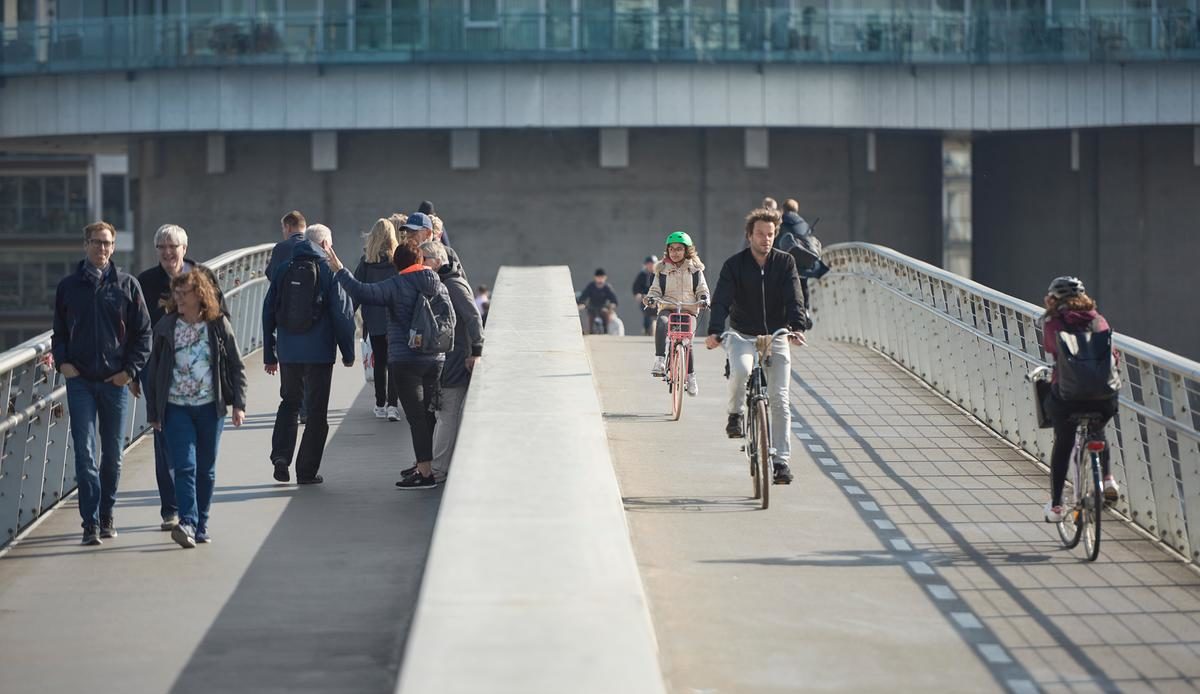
101, 342
171, 243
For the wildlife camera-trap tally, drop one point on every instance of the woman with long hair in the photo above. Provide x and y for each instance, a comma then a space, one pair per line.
376, 266
1070, 309
195, 375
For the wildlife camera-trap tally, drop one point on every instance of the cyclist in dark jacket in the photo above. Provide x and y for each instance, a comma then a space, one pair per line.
417, 375
759, 293
100, 343
595, 296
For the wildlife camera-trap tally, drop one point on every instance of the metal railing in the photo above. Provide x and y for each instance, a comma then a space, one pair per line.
975, 346
810, 35
37, 468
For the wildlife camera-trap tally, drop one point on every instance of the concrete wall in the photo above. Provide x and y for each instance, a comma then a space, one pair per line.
1125, 223
540, 197
574, 95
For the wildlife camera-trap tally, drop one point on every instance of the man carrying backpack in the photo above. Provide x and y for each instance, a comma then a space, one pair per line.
797, 240
1079, 342
307, 317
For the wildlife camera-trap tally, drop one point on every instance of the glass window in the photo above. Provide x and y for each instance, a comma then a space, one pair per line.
112, 195
483, 10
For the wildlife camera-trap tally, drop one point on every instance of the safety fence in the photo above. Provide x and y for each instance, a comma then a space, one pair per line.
975, 346
36, 454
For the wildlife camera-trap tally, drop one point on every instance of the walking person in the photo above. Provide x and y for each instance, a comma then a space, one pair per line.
292, 227
417, 374
195, 376
100, 343
307, 318
641, 287
460, 361
171, 243
376, 266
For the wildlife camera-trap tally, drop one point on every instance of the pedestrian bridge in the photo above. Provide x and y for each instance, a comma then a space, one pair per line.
585, 543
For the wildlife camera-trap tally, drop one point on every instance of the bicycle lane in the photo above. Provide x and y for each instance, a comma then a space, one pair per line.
802, 596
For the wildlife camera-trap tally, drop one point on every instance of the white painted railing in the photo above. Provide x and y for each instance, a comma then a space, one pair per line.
36, 459
975, 345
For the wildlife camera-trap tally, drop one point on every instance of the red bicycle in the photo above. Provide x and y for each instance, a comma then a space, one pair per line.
681, 327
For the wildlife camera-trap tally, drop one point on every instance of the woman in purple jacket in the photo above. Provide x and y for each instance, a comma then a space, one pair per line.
1068, 307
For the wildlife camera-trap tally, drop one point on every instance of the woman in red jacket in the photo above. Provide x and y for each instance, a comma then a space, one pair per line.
1068, 307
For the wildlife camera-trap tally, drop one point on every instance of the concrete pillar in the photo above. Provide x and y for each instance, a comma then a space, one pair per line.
42, 18
871, 151
324, 150
956, 204
216, 153
10, 20
464, 149
1074, 150
614, 148
758, 148
1196, 146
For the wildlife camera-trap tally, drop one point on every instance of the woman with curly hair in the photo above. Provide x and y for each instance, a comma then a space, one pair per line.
195, 376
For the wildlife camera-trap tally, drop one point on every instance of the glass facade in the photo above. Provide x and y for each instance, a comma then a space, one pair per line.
131, 34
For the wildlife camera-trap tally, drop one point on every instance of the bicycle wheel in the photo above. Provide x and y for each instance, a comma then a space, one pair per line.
751, 448
1093, 505
1069, 528
762, 438
678, 373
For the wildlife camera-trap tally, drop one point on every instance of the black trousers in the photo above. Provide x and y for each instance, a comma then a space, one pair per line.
417, 387
1059, 411
385, 388
308, 383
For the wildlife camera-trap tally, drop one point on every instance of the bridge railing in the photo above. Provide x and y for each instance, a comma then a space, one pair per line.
975, 345
36, 457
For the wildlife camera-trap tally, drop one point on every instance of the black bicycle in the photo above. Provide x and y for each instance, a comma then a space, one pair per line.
758, 421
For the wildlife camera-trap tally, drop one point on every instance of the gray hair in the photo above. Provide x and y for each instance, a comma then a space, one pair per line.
171, 232
435, 249
318, 233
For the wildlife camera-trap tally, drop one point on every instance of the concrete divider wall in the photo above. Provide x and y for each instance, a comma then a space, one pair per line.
531, 583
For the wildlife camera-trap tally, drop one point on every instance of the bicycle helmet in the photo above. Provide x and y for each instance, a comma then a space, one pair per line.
679, 237
1065, 287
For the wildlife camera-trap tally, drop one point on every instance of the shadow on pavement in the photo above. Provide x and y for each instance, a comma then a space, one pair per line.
327, 601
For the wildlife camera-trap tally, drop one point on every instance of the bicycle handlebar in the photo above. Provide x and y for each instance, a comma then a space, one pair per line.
777, 333
676, 304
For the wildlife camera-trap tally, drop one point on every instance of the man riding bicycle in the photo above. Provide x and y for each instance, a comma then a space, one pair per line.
759, 292
596, 296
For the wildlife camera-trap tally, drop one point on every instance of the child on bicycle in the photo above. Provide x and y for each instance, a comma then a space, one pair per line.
678, 277
1070, 309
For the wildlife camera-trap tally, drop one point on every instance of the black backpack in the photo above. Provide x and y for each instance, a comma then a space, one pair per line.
298, 299
806, 249
1085, 365
432, 327
662, 282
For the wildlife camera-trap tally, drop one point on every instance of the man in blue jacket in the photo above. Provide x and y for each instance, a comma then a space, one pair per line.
292, 227
306, 319
101, 341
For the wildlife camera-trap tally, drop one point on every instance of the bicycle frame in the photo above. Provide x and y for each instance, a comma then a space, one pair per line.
756, 393
681, 329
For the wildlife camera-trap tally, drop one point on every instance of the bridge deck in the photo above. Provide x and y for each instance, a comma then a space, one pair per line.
908, 553
302, 589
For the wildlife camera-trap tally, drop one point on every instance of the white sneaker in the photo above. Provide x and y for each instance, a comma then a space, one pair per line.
1112, 492
380, 412
660, 367
1054, 514
691, 387
393, 413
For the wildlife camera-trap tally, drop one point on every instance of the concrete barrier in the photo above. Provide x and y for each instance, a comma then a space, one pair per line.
531, 583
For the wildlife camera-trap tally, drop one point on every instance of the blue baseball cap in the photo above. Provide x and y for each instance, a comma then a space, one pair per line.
418, 221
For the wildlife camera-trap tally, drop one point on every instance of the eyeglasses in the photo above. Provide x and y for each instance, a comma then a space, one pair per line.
165, 246
101, 244
182, 292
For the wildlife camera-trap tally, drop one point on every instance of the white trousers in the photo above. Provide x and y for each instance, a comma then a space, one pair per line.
741, 360
445, 432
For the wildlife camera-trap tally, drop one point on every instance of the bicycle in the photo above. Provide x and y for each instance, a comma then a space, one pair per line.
758, 420
1085, 503
681, 328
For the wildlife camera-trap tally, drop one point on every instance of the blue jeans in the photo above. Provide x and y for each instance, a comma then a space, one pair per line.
193, 434
163, 473
89, 401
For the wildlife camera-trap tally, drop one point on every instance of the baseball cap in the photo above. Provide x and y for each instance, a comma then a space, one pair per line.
418, 221
650, 259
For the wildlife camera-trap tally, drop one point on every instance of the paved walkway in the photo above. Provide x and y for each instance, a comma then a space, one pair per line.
908, 554
303, 589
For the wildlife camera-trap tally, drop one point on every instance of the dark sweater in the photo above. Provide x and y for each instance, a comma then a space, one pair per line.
101, 325
758, 300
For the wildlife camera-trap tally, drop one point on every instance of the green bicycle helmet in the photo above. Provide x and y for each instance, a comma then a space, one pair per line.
679, 237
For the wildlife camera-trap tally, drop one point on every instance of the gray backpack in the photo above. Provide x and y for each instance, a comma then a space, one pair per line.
432, 328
